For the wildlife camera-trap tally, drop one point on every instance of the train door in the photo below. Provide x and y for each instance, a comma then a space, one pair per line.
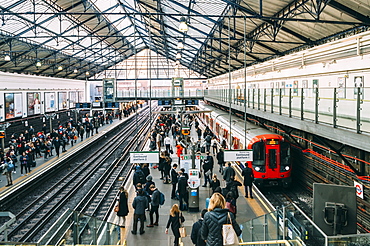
272, 158
236, 142
211, 123
217, 130
207, 119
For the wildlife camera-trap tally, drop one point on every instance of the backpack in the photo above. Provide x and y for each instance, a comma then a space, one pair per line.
162, 198
141, 177
10, 167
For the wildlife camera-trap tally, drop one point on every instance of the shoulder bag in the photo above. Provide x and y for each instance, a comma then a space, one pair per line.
182, 228
228, 233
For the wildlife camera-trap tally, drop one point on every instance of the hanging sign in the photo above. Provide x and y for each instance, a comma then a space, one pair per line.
238, 155
359, 189
144, 157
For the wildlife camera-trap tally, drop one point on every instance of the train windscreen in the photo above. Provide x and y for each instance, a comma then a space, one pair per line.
284, 154
259, 154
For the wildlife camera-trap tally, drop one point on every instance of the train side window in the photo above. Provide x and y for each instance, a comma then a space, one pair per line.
284, 153
272, 158
259, 153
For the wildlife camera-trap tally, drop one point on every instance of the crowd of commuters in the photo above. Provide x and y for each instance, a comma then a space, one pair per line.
164, 137
28, 145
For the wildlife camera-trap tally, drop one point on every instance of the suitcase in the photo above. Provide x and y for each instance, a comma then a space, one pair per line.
207, 202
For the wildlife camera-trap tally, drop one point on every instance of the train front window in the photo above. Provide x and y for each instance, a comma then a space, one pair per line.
284, 154
272, 158
259, 154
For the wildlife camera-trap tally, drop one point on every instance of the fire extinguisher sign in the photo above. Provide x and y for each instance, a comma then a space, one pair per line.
359, 189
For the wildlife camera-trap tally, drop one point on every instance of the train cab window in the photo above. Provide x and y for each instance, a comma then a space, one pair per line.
259, 154
272, 158
285, 154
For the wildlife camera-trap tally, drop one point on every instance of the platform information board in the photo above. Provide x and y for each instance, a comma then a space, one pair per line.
238, 155
144, 157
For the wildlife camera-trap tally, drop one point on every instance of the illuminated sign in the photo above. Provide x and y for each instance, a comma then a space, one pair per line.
272, 142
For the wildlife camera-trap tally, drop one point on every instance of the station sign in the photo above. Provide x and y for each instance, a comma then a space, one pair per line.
144, 157
359, 189
238, 155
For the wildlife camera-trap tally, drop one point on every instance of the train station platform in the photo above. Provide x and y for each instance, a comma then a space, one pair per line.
42, 165
155, 236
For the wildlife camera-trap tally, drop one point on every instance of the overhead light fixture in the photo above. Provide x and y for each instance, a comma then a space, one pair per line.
60, 68
38, 64
180, 45
87, 73
183, 27
75, 71
177, 62
178, 56
7, 58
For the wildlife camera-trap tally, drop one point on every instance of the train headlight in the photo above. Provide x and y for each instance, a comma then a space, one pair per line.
287, 168
257, 169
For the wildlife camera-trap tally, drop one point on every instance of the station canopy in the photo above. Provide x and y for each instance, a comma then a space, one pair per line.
81, 39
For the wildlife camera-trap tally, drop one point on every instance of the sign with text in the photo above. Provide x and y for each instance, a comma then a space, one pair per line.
359, 189
238, 155
144, 157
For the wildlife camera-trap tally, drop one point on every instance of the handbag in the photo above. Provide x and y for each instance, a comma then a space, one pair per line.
182, 232
208, 173
228, 233
116, 208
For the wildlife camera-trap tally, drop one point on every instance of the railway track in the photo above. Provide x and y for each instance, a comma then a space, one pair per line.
87, 187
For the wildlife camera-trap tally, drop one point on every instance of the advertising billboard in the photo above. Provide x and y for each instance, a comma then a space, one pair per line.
50, 101
13, 105
72, 99
62, 100
33, 103
81, 96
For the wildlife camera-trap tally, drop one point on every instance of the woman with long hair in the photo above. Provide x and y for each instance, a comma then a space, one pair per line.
217, 216
174, 220
215, 183
122, 207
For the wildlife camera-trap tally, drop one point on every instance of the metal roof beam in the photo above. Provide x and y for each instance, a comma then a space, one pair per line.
350, 12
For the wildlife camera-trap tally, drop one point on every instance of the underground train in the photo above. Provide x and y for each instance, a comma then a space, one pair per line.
271, 152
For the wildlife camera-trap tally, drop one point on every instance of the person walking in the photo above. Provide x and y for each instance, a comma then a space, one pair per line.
207, 172
220, 159
7, 171
195, 230
215, 183
247, 173
183, 191
175, 221
122, 207
139, 204
228, 172
154, 206
214, 219
174, 180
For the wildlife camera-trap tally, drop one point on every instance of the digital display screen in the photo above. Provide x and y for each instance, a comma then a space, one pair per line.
272, 142
164, 102
112, 105
83, 105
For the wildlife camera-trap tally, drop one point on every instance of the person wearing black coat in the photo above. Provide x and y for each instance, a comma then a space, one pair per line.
174, 221
122, 207
232, 186
215, 183
161, 164
155, 197
195, 231
206, 167
174, 180
247, 173
140, 203
228, 173
183, 191
56, 143
220, 159
145, 170
218, 215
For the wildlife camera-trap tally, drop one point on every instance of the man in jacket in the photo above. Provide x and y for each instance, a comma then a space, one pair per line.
247, 173
195, 231
139, 204
220, 160
139, 176
228, 172
183, 191
174, 180
154, 204
206, 168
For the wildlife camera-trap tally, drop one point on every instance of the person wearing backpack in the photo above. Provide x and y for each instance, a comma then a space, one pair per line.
139, 176
8, 168
195, 231
154, 205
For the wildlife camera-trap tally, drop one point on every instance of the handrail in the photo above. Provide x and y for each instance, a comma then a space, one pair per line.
286, 242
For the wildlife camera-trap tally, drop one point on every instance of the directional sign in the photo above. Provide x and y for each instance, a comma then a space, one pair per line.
238, 155
2, 134
359, 189
144, 157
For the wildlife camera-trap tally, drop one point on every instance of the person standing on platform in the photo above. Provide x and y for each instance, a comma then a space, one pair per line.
207, 172
211, 163
167, 143
228, 172
174, 180
81, 132
122, 207
167, 169
174, 221
220, 159
24, 161
6, 170
139, 204
195, 230
199, 133
217, 215
56, 143
215, 183
214, 144
183, 192
162, 161
154, 206
179, 149
247, 173
139, 177
208, 140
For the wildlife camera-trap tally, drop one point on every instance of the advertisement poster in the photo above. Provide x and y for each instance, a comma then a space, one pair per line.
295, 87
13, 105
72, 99
33, 103
49, 101
341, 87
359, 83
108, 89
62, 100
282, 88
